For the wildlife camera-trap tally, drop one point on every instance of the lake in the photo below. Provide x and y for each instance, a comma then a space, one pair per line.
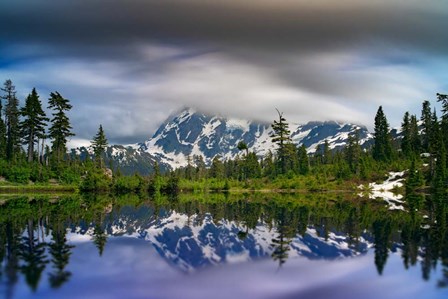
222, 246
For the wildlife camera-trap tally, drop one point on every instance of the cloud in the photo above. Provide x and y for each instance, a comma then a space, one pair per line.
128, 65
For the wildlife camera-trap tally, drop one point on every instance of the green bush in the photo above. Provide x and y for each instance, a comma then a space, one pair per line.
19, 174
95, 180
70, 176
40, 174
128, 184
3, 168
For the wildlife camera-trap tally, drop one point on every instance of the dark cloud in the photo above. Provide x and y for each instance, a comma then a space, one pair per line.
299, 25
133, 62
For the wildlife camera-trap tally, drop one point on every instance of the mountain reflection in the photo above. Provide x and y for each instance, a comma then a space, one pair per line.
191, 232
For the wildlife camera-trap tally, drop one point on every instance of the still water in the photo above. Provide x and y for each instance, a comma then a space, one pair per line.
221, 246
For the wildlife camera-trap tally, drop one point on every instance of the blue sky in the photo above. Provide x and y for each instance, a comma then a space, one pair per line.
130, 64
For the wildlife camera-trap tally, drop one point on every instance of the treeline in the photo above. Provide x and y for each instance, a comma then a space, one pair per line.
33, 145
44, 137
420, 141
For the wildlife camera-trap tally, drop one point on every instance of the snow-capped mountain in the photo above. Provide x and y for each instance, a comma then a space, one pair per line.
191, 133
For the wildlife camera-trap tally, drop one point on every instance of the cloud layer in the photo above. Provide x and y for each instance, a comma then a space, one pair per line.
128, 65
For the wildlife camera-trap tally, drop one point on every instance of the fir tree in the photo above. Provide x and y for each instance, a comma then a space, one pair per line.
11, 120
2, 133
427, 123
415, 140
60, 128
281, 137
353, 153
382, 148
251, 167
326, 153
32, 126
443, 99
303, 160
217, 168
406, 147
99, 145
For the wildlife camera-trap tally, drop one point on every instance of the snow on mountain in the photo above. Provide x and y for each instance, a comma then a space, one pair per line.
192, 133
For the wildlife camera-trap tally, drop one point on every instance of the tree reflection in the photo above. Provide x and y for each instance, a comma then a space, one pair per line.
420, 234
60, 253
33, 255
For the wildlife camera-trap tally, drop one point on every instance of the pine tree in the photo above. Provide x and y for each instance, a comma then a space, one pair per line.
427, 123
304, 164
99, 145
217, 168
281, 137
2, 132
382, 148
11, 120
60, 128
32, 126
406, 147
353, 153
415, 139
443, 98
326, 153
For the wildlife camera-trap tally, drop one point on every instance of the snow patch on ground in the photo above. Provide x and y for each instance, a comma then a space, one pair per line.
384, 190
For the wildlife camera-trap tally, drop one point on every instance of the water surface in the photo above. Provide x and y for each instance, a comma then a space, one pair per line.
221, 246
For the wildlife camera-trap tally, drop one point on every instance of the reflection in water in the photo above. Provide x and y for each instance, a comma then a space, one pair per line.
191, 233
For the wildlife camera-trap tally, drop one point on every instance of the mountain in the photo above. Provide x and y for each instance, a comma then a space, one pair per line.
193, 133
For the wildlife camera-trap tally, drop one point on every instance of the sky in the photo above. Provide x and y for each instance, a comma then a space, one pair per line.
128, 65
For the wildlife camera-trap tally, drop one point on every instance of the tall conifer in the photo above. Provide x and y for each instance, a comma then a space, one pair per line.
99, 145
60, 128
382, 148
32, 126
11, 120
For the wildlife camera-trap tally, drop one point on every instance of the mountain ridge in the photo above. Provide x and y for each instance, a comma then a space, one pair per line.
191, 133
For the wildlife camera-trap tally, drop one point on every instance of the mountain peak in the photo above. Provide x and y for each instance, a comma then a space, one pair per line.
193, 133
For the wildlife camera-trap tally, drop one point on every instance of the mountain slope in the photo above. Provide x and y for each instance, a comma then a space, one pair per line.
191, 133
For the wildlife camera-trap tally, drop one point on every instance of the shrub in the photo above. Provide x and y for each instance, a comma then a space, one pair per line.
95, 180
19, 174
128, 184
70, 176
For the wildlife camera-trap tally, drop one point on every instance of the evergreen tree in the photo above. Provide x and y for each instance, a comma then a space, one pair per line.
415, 140
60, 128
326, 153
427, 123
281, 137
243, 146
406, 147
99, 145
382, 148
268, 165
251, 167
353, 153
2, 133
304, 163
11, 120
217, 168
32, 126
439, 180
443, 99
